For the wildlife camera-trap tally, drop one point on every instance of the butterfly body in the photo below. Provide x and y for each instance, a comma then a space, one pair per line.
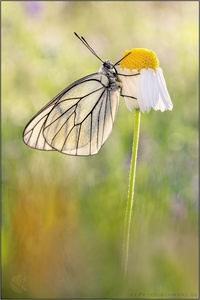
109, 70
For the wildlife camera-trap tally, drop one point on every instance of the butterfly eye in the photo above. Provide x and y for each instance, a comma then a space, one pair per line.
108, 65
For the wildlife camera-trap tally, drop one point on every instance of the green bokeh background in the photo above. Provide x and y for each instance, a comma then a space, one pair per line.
63, 216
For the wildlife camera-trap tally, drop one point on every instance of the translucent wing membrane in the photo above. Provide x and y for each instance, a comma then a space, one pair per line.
77, 121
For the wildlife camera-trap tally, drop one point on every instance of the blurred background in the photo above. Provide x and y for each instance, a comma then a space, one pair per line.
63, 216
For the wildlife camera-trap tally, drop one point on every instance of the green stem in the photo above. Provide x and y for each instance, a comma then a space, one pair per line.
131, 190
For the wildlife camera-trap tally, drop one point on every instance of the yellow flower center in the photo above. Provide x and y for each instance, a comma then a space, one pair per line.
139, 58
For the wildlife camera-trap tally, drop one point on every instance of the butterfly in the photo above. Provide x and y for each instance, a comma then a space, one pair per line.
80, 118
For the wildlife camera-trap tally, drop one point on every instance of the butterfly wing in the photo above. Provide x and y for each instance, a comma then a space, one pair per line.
78, 120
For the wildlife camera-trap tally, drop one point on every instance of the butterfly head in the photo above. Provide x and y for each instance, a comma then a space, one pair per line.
108, 65
108, 68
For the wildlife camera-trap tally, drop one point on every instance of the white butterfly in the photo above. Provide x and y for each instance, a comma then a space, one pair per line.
79, 119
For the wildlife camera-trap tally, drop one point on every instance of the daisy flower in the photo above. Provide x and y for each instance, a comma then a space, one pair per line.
144, 86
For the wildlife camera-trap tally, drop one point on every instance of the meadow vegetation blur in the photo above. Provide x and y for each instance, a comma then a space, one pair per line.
63, 216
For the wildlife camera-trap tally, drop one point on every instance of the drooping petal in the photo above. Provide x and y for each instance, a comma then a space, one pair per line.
163, 90
151, 87
129, 87
147, 91
143, 94
140, 91
155, 89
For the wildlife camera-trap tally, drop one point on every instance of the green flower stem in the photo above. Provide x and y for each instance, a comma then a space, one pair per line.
131, 190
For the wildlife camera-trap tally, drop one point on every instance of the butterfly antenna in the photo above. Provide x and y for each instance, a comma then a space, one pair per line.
88, 46
117, 63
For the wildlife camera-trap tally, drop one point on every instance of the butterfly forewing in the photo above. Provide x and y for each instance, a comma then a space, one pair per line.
77, 121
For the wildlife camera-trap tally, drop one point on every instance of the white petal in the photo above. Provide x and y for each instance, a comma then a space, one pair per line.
163, 90
142, 94
139, 92
148, 91
129, 87
131, 103
155, 89
152, 90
